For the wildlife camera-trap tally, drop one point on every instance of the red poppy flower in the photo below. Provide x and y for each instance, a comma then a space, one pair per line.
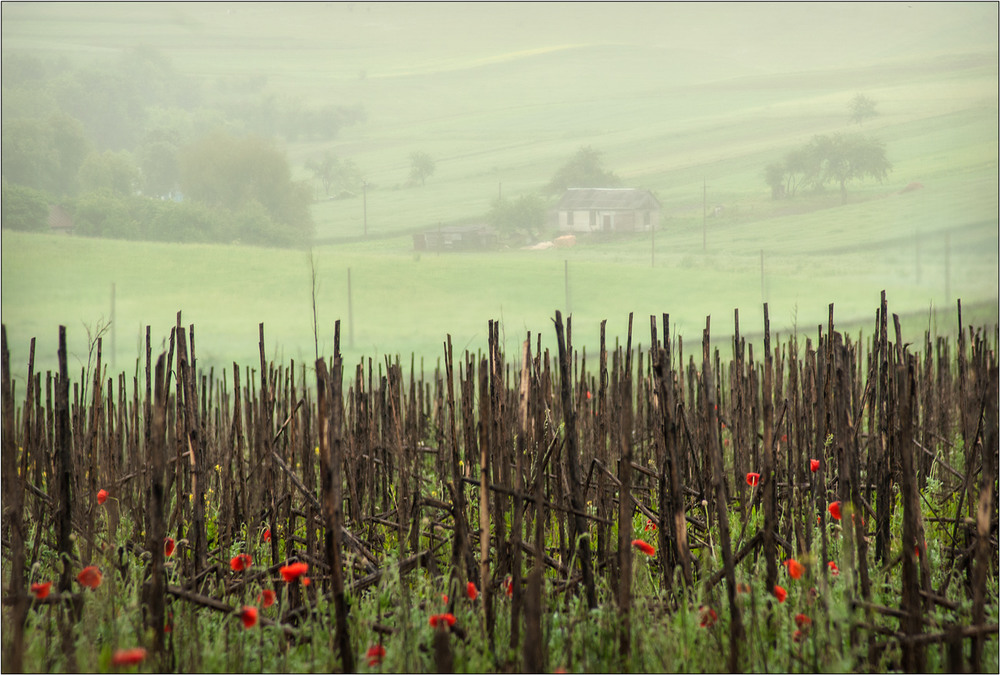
168, 547
306, 581
375, 655
442, 619
802, 621
780, 593
797, 636
292, 572
444, 598
508, 587
41, 591
795, 568
588, 395
650, 526
90, 577
742, 588
834, 510
708, 617
833, 568
753, 479
102, 496
266, 598
645, 547
471, 591
128, 657
240, 562
814, 465
784, 438
267, 534
248, 615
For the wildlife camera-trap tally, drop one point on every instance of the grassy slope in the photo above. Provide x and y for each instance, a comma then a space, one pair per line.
667, 117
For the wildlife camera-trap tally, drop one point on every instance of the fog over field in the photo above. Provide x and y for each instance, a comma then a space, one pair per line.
403, 166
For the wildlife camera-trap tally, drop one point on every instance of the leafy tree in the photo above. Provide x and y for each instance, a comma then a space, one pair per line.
44, 154
840, 158
862, 108
334, 174
112, 172
525, 214
230, 172
23, 208
421, 167
160, 167
848, 157
774, 175
583, 170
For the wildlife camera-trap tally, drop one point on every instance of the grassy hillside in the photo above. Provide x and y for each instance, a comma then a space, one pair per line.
501, 103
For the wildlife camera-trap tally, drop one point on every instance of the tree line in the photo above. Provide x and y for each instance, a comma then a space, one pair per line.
104, 139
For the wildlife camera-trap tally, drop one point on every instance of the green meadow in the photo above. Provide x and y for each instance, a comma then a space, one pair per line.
500, 105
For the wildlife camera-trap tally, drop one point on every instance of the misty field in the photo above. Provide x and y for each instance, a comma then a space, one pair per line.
762, 437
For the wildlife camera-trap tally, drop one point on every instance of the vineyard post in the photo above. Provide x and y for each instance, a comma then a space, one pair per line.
331, 454
770, 472
13, 497
156, 456
911, 601
988, 453
580, 536
625, 508
736, 631
64, 514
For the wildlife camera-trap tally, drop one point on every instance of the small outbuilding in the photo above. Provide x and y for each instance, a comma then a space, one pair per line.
456, 238
60, 221
607, 210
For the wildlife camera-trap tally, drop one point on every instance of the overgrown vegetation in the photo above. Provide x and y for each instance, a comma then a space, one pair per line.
128, 131
824, 507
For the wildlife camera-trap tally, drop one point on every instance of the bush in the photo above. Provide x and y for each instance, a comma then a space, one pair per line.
100, 214
24, 209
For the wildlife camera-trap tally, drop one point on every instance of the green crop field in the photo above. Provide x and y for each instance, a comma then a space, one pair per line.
693, 124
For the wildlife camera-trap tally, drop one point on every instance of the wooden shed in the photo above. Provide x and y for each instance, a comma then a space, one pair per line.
456, 238
607, 210
60, 222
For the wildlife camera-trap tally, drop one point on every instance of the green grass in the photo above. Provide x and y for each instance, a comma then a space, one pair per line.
503, 109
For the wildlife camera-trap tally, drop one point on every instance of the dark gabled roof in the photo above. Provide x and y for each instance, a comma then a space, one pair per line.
607, 199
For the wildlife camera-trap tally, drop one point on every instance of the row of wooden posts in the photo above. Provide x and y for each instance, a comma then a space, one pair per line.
559, 448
